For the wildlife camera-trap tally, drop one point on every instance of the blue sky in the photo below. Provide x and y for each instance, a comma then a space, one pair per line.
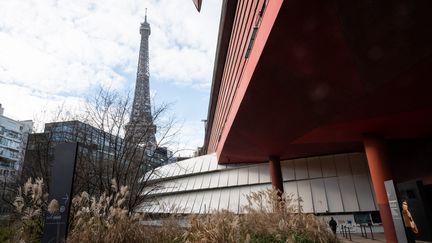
56, 52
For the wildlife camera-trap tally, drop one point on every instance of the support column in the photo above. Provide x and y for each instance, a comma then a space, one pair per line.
276, 173
379, 166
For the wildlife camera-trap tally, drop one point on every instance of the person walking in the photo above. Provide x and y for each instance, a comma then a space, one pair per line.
333, 225
410, 226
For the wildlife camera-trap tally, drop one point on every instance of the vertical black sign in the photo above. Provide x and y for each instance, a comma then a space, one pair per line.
62, 174
395, 211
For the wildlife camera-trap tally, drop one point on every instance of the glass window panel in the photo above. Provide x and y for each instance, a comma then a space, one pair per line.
172, 186
206, 202
243, 202
373, 192
198, 202
358, 164
223, 179
191, 182
182, 183
290, 189
198, 182
213, 165
342, 165
287, 167
164, 186
176, 170
191, 202
234, 200
243, 176
171, 202
146, 207
170, 169
184, 167
214, 182
255, 189
319, 196
198, 165
349, 197
188, 202
206, 163
224, 199
304, 191
334, 197
206, 181
162, 204
314, 167
264, 175
253, 175
232, 177
155, 207
175, 185
180, 202
328, 166
301, 171
221, 167
214, 205
364, 192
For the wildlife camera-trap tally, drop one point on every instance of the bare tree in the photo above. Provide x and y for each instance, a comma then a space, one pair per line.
106, 150
39, 147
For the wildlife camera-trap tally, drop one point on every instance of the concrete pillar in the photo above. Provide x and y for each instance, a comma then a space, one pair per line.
379, 166
276, 173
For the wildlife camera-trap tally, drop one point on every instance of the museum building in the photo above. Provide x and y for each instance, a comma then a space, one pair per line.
327, 100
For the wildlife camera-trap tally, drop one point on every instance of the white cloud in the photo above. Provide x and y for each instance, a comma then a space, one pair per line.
21, 103
191, 134
184, 42
53, 52
56, 46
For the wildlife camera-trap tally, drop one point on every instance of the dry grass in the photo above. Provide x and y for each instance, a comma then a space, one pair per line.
268, 213
106, 219
219, 227
268, 217
103, 219
30, 203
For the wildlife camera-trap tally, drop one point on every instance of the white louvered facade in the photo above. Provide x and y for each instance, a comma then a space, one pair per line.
326, 184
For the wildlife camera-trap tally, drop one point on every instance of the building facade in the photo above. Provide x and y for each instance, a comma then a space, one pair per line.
13, 140
338, 185
94, 145
335, 184
301, 79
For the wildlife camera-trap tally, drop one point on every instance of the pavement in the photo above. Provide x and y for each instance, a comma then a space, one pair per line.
355, 237
378, 237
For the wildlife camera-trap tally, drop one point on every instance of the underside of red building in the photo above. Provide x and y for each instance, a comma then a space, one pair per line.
302, 78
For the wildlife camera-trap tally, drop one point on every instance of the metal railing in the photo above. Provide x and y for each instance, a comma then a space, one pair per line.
364, 228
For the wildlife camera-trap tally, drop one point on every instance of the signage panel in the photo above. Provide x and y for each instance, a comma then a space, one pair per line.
62, 174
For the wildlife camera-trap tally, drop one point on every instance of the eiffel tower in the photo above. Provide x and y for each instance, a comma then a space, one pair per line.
140, 127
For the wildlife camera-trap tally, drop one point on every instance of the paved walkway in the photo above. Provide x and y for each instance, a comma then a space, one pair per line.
378, 237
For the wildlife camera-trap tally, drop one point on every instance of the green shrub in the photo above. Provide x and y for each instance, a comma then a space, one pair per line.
301, 238
266, 237
7, 233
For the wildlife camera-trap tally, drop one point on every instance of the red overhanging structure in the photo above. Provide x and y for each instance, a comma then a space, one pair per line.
302, 78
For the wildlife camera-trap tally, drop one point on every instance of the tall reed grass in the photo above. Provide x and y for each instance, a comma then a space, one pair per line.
268, 217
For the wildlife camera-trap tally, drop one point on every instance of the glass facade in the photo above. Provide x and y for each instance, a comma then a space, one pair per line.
325, 184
